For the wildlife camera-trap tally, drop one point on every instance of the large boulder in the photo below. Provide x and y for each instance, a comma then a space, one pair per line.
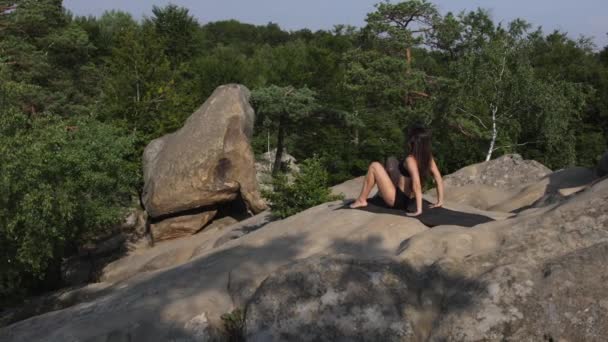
506, 172
207, 162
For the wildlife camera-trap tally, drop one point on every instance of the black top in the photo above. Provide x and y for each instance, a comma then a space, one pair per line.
404, 171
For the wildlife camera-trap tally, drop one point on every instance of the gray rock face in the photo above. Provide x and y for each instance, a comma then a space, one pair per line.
544, 281
602, 167
506, 172
564, 303
208, 161
342, 299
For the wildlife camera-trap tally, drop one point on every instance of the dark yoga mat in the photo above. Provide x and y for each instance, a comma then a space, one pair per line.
429, 217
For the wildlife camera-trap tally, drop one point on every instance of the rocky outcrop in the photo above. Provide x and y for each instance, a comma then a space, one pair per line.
530, 278
506, 172
150, 300
207, 162
534, 285
552, 188
331, 273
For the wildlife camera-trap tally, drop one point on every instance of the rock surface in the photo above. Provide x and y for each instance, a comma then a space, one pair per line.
506, 172
534, 285
207, 162
183, 225
532, 276
153, 301
545, 190
344, 299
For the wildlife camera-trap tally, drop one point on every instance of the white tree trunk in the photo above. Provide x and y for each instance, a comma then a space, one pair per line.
494, 108
494, 133
269, 155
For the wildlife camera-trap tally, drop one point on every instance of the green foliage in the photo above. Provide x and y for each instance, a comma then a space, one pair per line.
503, 101
308, 189
179, 32
283, 108
405, 24
284, 102
234, 325
62, 182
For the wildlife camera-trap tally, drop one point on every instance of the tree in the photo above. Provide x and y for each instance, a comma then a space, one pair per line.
501, 98
45, 50
284, 107
104, 31
284, 65
138, 82
179, 31
403, 25
222, 65
557, 57
309, 188
62, 182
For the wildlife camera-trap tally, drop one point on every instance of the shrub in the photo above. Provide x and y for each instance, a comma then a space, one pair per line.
61, 183
234, 325
308, 189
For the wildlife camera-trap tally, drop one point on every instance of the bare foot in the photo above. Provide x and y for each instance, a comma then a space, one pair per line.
358, 204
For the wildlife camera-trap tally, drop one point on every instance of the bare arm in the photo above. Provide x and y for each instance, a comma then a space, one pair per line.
412, 166
439, 182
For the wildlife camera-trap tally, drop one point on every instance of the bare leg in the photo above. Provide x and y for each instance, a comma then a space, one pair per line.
376, 175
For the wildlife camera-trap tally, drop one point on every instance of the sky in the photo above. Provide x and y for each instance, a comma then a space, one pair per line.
577, 18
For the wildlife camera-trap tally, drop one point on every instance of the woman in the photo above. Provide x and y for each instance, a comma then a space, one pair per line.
398, 189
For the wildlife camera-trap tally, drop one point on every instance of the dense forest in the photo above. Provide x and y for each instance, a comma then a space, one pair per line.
80, 97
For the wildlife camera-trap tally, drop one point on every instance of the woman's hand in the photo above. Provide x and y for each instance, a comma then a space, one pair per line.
418, 213
439, 204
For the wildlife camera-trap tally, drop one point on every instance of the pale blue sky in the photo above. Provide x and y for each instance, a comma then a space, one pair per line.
582, 17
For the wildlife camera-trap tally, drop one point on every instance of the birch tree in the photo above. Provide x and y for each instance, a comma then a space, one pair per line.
502, 99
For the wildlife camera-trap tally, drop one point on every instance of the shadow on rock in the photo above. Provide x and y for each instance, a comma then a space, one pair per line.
560, 186
344, 299
183, 303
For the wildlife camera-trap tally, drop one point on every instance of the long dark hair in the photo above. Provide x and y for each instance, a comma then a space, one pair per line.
419, 146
